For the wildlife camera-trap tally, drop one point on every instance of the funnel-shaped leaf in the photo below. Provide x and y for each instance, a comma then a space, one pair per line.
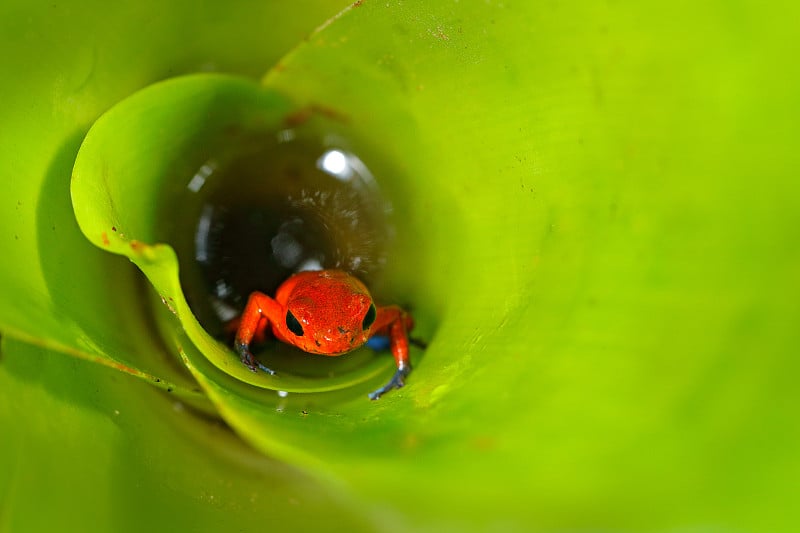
597, 215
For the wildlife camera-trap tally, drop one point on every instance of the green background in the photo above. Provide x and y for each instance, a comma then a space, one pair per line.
599, 209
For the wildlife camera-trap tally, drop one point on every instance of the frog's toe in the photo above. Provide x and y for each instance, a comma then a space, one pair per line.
397, 381
267, 370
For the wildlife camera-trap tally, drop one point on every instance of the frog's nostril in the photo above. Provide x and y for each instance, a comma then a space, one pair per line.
341, 330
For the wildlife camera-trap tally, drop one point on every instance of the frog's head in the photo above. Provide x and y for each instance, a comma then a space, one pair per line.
329, 314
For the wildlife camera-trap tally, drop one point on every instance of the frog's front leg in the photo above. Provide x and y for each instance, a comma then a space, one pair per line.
258, 313
395, 322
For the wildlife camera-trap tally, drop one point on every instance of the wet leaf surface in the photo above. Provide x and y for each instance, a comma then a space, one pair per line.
596, 218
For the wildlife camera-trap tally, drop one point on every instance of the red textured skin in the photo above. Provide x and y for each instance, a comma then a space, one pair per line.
331, 306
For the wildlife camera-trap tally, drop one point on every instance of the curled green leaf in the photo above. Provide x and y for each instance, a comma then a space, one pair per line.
599, 216
147, 147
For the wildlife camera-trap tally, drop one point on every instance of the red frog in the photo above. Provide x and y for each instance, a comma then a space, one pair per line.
326, 312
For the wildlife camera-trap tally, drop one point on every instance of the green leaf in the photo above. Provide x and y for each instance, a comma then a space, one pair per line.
597, 218
65, 453
152, 144
114, 456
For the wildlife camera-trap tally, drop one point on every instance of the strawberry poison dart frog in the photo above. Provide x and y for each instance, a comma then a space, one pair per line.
326, 312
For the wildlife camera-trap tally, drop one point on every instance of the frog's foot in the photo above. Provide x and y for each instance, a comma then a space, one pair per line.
397, 381
265, 369
419, 343
249, 360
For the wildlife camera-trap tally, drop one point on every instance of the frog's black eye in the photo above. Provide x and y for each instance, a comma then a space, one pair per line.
369, 318
293, 324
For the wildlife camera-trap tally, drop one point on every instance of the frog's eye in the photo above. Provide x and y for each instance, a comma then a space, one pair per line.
369, 318
293, 324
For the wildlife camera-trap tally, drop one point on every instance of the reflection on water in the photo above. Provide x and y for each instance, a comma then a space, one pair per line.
335, 163
276, 205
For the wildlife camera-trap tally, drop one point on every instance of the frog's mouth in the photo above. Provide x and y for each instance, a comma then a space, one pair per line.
328, 353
